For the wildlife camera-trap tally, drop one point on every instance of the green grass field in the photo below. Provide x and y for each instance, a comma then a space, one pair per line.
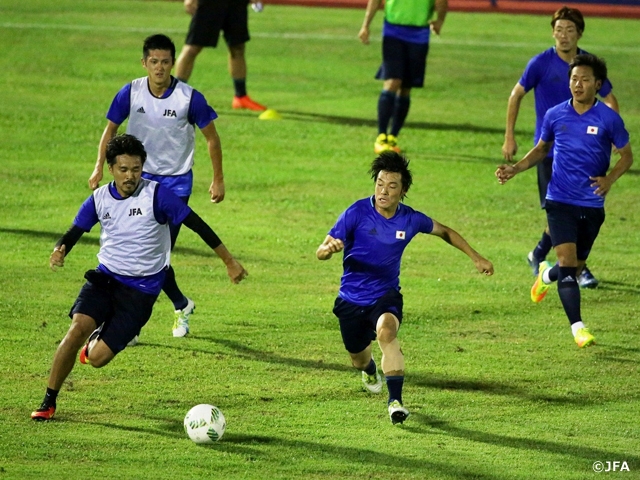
496, 387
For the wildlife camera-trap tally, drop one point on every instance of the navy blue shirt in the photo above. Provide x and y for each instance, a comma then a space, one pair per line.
548, 75
582, 149
166, 207
373, 248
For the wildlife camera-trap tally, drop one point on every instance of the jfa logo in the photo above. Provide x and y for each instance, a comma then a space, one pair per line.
134, 211
169, 113
607, 466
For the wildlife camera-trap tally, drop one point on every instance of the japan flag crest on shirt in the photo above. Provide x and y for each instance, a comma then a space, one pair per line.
592, 130
400, 234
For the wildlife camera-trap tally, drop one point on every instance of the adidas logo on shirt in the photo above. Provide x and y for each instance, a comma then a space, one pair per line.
141, 110
373, 232
106, 216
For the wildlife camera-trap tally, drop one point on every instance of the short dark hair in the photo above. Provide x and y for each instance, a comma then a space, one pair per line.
597, 64
125, 144
391, 161
567, 13
158, 42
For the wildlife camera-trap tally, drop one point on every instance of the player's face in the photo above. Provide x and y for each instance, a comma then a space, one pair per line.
126, 172
389, 192
158, 66
566, 35
583, 85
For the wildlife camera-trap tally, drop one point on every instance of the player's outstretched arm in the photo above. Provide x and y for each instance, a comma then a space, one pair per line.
235, 270
453, 238
110, 131
535, 156
441, 7
64, 245
329, 247
216, 190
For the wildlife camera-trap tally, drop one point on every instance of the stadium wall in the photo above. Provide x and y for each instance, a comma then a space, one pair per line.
590, 8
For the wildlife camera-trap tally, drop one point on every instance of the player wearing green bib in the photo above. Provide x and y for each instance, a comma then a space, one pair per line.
405, 45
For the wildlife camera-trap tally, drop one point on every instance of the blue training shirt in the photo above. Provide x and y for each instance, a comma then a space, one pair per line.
407, 33
373, 248
548, 75
166, 207
582, 149
200, 114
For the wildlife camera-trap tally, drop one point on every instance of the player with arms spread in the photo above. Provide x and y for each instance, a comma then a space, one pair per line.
374, 232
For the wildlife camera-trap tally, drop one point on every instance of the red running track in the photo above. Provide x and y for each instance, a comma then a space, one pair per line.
502, 6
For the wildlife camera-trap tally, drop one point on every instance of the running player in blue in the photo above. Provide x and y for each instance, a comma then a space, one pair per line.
135, 248
373, 232
546, 74
405, 45
163, 113
581, 131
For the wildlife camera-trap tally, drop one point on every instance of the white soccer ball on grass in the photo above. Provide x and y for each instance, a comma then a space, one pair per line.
205, 424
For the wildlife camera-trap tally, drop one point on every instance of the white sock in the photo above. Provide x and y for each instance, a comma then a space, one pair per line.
576, 326
545, 277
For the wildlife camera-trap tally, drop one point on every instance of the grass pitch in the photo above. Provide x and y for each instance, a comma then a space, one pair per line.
495, 385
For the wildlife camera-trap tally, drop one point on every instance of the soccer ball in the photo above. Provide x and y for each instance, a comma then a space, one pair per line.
204, 423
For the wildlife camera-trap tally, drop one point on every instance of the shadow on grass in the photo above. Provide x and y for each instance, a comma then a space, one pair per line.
618, 286
93, 240
587, 453
373, 123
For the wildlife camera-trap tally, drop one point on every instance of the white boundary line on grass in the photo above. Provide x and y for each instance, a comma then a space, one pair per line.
303, 36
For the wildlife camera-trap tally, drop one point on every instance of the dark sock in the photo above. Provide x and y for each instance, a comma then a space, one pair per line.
544, 246
240, 85
50, 398
371, 368
400, 112
569, 292
386, 105
554, 272
394, 385
172, 290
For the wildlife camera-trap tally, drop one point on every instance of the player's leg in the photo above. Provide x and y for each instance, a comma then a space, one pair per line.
186, 61
236, 34
542, 249
391, 71
357, 333
204, 31
88, 311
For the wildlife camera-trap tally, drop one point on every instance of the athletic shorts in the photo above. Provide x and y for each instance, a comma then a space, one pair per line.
213, 16
121, 310
358, 323
544, 169
404, 60
573, 224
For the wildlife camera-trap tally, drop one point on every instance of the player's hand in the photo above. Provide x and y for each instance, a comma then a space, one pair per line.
436, 26
216, 190
57, 257
94, 179
602, 184
509, 149
363, 35
484, 266
236, 272
190, 6
329, 247
504, 173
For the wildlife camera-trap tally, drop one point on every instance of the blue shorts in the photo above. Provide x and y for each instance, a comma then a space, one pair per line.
358, 323
404, 60
574, 224
122, 310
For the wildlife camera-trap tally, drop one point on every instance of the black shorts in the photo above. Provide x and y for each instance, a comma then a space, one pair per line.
212, 16
358, 323
544, 169
404, 60
122, 310
573, 224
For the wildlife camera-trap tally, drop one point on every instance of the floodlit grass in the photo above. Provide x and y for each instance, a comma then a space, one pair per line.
495, 385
